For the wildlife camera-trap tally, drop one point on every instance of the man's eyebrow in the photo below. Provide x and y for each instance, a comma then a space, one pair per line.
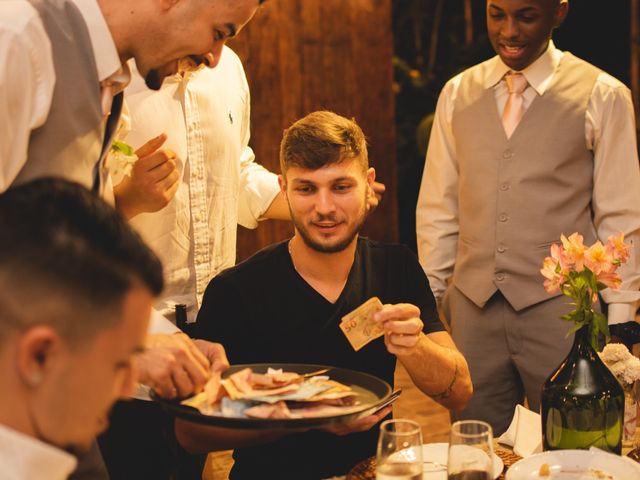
232, 30
138, 349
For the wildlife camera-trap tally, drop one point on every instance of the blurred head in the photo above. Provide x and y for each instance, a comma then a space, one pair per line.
76, 289
520, 30
326, 179
169, 30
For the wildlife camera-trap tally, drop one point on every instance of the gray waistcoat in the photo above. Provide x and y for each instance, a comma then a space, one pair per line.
517, 195
70, 142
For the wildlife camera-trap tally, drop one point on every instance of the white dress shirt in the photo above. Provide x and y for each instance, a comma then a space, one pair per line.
609, 134
27, 75
26, 458
205, 115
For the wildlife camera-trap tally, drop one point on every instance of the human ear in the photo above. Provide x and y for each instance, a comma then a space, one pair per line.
282, 181
371, 176
37, 349
560, 14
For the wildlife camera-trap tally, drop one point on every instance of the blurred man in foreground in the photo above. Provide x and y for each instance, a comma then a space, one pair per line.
76, 290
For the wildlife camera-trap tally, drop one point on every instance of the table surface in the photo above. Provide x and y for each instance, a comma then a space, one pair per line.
366, 470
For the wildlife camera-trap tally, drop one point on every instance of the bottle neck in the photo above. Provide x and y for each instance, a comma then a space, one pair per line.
582, 343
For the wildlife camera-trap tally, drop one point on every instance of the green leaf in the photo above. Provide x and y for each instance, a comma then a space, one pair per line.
575, 328
122, 147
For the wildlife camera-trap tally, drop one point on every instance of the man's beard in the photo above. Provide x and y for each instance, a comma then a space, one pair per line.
154, 79
331, 248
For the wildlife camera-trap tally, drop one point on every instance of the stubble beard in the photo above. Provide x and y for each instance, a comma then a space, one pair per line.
327, 248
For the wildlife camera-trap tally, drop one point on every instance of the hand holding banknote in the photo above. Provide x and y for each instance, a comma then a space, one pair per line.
400, 324
402, 327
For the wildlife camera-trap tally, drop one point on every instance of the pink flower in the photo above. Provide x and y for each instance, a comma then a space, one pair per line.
610, 278
552, 272
618, 248
574, 250
598, 259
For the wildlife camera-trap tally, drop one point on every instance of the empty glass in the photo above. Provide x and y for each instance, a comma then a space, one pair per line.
399, 454
470, 451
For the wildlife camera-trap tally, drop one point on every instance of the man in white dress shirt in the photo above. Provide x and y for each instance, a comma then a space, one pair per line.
62, 63
204, 115
507, 171
76, 290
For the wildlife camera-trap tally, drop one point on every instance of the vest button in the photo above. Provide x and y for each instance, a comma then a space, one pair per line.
501, 249
503, 217
507, 154
504, 187
499, 277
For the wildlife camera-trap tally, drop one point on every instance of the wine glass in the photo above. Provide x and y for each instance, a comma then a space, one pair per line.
470, 451
399, 455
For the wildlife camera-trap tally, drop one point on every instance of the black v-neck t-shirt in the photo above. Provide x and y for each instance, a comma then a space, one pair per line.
263, 311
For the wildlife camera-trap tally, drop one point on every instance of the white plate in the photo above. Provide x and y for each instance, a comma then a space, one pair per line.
434, 456
575, 465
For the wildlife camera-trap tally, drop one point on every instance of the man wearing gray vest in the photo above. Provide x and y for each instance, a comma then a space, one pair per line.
526, 146
62, 70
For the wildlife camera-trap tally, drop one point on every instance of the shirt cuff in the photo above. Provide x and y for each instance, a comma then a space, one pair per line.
621, 313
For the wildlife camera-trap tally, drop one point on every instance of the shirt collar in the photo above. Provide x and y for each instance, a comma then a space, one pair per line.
31, 458
109, 66
538, 74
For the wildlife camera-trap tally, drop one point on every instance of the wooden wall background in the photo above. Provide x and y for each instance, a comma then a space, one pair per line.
306, 55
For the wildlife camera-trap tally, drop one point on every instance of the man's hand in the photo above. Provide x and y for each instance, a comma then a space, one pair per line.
153, 181
214, 352
173, 365
360, 425
374, 197
402, 327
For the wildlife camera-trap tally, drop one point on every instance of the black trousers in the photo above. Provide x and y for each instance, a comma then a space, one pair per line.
140, 444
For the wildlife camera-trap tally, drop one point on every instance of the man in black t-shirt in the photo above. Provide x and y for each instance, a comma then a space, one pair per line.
285, 304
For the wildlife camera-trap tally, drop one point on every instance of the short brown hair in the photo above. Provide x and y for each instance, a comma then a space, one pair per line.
320, 139
67, 259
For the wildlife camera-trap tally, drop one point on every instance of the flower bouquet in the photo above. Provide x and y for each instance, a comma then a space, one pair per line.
580, 272
582, 403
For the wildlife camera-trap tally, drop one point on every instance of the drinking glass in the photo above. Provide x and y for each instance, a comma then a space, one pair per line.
470, 451
399, 455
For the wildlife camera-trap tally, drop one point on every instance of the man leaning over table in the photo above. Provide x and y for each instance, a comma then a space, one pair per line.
285, 303
61, 71
526, 146
76, 290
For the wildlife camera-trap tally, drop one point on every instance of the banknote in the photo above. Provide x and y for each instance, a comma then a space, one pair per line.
358, 325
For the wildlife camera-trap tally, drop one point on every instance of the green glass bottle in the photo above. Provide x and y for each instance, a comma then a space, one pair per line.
582, 402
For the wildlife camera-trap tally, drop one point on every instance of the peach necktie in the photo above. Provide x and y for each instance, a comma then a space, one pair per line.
514, 109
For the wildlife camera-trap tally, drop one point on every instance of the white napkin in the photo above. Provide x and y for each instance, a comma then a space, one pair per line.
525, 432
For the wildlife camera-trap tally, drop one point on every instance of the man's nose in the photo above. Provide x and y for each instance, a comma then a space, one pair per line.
212, 58
511, 28
129, 381
325, 203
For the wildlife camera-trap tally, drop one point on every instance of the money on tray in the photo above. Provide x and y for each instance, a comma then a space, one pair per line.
275, 395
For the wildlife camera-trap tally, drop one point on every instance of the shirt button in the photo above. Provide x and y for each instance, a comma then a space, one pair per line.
507, 154
499, 277
504, 187
503, 217
501, 249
